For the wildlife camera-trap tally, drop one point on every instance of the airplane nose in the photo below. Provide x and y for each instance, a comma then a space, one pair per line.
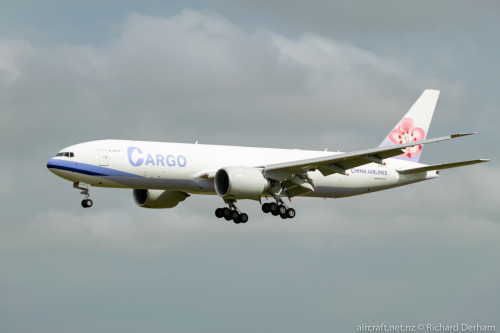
51, 165
60, 168
56, 166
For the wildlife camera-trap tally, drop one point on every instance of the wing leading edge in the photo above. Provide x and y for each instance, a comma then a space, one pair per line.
339, 163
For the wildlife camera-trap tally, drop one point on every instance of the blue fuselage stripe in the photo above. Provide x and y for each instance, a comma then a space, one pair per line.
87, 169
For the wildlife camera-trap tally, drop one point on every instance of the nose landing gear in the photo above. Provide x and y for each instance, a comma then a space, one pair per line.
86, 203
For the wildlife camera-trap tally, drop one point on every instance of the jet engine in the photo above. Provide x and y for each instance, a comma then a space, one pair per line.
240, 183
158, 198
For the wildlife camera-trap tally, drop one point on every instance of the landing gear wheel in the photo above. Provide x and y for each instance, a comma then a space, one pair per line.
282, 209
219, 213
87, 203
290, 213
226, 212
284, 216
265, 207
235, 216
243, 218
273, 208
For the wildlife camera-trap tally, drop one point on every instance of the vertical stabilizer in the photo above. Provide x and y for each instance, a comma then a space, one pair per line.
414, 125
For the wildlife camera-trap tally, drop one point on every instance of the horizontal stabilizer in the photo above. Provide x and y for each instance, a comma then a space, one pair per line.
440, 166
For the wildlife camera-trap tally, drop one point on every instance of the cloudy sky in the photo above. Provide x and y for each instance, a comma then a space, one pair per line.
310, 75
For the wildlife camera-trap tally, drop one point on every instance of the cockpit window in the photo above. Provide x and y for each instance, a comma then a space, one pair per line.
66, 154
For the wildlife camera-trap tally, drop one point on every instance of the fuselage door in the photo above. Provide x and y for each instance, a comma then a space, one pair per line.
103, 157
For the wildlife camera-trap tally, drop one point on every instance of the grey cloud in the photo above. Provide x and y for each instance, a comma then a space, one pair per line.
390, 18
203, 65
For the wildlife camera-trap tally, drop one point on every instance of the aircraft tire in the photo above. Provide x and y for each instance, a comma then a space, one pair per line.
87, 203
219, 213
226, 213
273, 207
243, 218
290, 213
282, 209
235, 216
265, 207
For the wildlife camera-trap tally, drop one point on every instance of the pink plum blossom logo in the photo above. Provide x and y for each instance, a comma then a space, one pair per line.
407, 132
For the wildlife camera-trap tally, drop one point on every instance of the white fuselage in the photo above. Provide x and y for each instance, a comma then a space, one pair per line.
190, 167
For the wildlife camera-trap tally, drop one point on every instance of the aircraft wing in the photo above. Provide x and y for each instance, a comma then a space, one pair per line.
339, 163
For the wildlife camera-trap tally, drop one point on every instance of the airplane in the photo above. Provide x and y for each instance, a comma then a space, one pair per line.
163, 174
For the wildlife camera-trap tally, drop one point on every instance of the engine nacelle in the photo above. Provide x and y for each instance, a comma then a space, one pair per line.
240, 183
158, 198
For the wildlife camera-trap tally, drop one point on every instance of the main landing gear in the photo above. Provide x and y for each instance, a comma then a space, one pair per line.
86, 203
281, 210
231, 213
